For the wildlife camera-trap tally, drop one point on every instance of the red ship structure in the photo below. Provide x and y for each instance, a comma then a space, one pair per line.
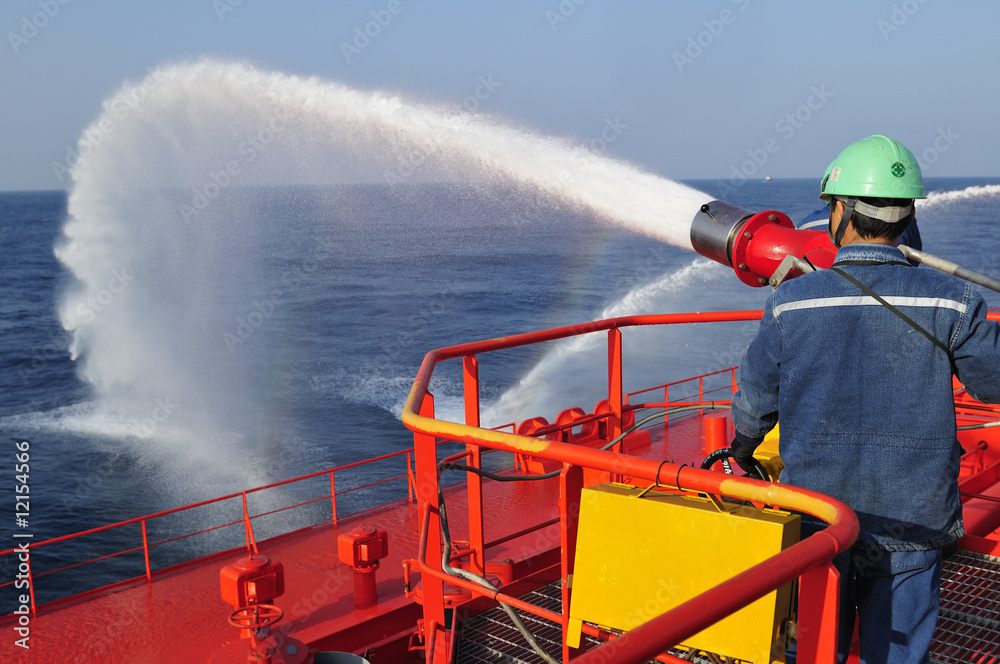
606, 535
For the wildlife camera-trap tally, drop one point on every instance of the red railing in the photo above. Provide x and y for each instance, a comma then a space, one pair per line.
245, 518
699, 395
808, 560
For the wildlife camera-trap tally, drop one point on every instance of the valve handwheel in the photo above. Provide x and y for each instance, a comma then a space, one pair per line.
259, 615
724, 455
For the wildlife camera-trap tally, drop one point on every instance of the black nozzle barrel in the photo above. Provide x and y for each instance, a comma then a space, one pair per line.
715, 228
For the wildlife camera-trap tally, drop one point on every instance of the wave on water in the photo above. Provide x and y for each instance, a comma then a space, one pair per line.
537, 391
974, 192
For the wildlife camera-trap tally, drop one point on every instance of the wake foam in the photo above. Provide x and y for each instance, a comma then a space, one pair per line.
570, 361
969, 193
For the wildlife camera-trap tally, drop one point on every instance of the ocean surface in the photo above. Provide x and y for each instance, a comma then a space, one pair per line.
203, 365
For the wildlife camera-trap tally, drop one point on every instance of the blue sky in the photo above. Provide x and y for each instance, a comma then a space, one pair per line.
698, 89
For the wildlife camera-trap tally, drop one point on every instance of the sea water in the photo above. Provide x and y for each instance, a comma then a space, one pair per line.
240, 298
332, 362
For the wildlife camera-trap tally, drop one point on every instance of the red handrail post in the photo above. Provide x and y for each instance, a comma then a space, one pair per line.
333, 498
819, 615
615, 391
570, 488
145, 551
666, 405
474, 482
425, 453
248, 529
31, 585
411, 480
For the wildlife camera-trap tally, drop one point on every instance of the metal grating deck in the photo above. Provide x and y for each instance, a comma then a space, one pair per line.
968, 628
490, 638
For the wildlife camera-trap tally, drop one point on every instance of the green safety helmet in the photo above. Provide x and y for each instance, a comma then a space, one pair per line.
877, 166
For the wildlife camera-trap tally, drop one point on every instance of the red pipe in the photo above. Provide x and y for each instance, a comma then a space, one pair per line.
716, 431
767, 237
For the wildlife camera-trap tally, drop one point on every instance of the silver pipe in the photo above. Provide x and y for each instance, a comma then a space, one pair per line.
951, 268
714, 229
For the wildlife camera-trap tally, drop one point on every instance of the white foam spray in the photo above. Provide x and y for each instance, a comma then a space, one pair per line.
163, 189
969, 193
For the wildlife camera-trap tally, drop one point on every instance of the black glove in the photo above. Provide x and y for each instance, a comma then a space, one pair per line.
743, 456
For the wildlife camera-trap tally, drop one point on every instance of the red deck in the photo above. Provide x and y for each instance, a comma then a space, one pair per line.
178, 614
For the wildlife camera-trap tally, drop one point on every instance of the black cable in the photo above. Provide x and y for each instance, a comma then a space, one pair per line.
444, 465
484, 582
658, 468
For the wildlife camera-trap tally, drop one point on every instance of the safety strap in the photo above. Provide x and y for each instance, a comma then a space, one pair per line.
909, 321
849, 202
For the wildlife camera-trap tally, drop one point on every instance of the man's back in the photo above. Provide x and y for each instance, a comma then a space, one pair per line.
857, 361
866, 402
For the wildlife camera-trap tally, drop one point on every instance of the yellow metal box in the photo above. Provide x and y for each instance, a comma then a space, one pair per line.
637, 557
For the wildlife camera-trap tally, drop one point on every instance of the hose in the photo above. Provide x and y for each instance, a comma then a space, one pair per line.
711, 405
475, 578
951, 268
984, 425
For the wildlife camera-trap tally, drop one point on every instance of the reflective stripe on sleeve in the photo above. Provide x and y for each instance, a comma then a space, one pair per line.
818, 223
864, 300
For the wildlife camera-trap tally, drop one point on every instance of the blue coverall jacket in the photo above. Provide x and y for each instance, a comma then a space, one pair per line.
865, 401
